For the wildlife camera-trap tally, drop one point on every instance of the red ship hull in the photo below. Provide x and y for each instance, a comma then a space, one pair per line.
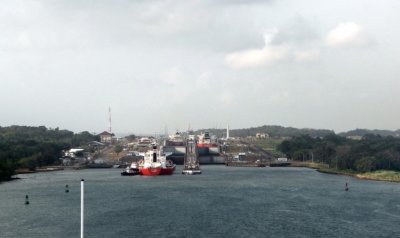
167, 171
150, 171
157, 171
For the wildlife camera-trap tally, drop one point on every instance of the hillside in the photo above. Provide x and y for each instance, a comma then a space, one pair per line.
363, 132
272, 131
31, 147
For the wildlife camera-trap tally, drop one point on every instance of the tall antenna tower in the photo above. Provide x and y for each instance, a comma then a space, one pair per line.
166, 131
109, 119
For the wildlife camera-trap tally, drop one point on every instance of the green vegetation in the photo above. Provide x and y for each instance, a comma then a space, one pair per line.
370, 154
393, 176
269, 144
364, 132
118, 148
31, 147
272, 131
382, 175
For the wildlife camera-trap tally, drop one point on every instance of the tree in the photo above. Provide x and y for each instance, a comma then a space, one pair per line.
131, 137
366, 164
118, 149
28, 147
284, 147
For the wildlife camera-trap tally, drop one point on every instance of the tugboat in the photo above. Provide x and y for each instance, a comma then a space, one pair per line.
155, 164
131, 170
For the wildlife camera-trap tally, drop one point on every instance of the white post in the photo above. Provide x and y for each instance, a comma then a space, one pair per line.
82, 189
312, 156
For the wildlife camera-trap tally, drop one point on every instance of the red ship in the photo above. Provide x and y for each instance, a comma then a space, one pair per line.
155, 164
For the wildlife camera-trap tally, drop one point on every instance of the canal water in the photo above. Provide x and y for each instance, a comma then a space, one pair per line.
221, 202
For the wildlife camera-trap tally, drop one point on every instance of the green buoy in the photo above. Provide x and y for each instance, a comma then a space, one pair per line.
66, 188
26, 200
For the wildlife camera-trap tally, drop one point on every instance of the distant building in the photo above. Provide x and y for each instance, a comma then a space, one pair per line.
73, 153
106, 137
262, 135
354, 137
96, 145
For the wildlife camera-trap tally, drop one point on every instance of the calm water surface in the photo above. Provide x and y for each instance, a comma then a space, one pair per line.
221, 202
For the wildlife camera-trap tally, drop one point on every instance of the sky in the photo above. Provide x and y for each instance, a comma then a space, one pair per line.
170, 64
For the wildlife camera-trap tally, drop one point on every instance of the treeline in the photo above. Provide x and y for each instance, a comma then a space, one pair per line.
373, 152
272, 131
30, 147
363, 132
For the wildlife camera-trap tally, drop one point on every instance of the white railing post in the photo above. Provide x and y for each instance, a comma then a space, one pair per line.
82, 217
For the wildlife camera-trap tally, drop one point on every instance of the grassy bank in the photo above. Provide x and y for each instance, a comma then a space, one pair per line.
380, 175
268, 144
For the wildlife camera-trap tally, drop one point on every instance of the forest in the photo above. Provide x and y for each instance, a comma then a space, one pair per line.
373, 152
272, 131
31, 147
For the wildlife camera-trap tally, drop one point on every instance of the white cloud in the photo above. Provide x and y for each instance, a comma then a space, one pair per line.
268, 55
307, 55
226, 97
23, 40
279, 96
203, 81
173, 76
347, 34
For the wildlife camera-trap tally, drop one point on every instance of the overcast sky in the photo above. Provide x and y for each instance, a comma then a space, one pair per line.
156, 63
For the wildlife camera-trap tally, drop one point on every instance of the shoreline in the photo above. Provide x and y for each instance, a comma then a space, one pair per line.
379, 175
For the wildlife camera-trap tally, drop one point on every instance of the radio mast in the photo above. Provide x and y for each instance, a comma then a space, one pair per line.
109, 119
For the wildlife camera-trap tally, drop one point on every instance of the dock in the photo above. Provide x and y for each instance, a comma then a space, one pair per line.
245, 164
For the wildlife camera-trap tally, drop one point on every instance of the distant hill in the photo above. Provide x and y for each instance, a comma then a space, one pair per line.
363, 132
273, 131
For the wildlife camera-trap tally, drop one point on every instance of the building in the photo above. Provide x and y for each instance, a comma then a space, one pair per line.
106, 137
262, 135
73, 153
95, 145
354, 137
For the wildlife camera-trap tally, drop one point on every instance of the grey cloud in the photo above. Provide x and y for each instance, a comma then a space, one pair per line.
61, 56
299, 31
